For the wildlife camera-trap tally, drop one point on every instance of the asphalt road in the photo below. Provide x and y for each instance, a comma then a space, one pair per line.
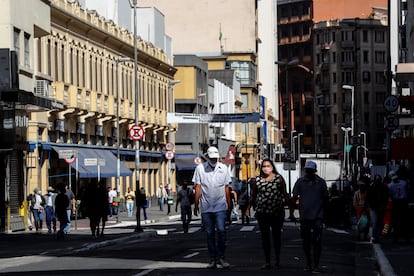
163, 249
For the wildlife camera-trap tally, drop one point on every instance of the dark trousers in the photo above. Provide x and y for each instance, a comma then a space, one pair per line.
186, 216
50, 219
271, 227
311, 232
400, 219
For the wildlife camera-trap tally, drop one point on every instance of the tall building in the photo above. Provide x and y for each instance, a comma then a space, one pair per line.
83, 75
23, 94
350, 61
225, 35
296, 49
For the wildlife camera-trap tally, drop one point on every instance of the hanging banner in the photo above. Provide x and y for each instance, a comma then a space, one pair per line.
190, 118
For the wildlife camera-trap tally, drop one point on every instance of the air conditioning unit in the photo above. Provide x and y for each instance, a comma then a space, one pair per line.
42, 88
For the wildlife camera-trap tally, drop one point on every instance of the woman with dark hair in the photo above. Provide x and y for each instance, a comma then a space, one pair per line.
270, 196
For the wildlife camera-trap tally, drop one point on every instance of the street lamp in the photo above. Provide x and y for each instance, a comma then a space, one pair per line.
298, 137
352, 88
134, 4
346, 142
288, 111
292, 146
199, 125
365, 143
118, 96
315, 144
170, 109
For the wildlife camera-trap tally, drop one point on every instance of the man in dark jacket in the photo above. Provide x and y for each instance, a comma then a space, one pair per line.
376, 200
312, 192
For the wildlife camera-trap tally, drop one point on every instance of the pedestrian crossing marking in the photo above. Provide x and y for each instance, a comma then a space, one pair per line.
246, 229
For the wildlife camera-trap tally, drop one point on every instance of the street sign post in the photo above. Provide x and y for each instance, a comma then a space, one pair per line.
136, 132
391, 103
169, 154
95, 162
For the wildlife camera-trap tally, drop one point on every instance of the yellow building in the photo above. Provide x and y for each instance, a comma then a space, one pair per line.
75, 64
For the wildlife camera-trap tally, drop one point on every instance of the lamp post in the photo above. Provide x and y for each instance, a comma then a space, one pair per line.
118, 96
134, 4
221, 131
365, 143
286, 66
298, 137
315, 144
170, 109
199, 125
346, 142
352, 88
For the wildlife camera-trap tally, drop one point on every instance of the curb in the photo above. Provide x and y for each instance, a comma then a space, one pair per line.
92, 246
383, 263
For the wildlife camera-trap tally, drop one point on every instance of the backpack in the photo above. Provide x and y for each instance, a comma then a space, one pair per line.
191, 196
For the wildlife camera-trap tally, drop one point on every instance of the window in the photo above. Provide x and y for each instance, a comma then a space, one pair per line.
379, 36
365, 36
379, 78
333, 36
244, 99
246, 71
26, 50
347, 77
366, 97
334, 77
379, 97
380, 57
347, 56
347, 36
365, 57
16, 40
334, 57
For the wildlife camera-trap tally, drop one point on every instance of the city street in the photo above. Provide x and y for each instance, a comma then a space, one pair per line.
163, 249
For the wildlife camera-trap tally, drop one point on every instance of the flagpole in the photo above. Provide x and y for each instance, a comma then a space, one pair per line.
220, 37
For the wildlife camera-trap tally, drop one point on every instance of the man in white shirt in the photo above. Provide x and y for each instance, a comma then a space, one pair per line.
211, 182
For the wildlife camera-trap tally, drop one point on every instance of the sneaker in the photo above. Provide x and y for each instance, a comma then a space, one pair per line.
223, 263
308, 268
316, 270
212, 264
265, 267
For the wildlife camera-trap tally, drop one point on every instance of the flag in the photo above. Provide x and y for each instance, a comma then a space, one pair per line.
220, 33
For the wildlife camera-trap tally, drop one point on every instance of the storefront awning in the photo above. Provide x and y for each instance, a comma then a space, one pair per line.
185, 161
109, 170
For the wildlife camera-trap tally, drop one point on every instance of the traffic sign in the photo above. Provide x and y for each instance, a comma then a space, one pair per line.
197, 160
391, 103
63, 154
70, 160
91, 161
391, 122
289, 155
169, 146
136, 132
169, 154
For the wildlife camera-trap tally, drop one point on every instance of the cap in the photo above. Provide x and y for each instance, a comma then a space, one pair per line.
310, 165
212, 152
392, 175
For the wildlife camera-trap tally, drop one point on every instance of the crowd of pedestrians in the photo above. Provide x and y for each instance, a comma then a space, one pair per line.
378, 207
